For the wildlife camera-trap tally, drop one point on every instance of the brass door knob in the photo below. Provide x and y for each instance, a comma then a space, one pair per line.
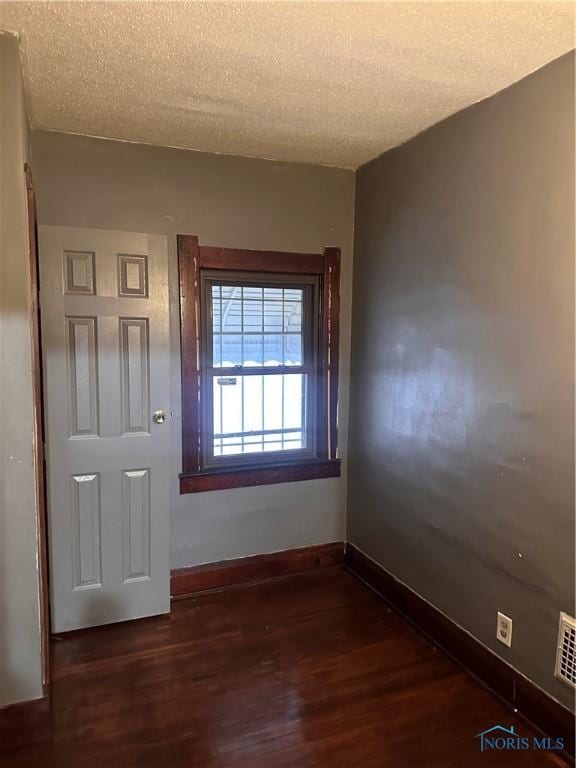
159, 417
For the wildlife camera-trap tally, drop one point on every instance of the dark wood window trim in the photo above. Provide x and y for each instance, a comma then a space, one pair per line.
192, 258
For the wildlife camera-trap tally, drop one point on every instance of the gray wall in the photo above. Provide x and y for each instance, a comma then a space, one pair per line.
462, 424
227, 201
20, 645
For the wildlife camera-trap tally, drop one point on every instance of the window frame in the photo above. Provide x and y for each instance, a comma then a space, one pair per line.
198, 265
311, 285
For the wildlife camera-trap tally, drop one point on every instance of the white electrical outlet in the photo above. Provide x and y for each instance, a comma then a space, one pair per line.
504, 629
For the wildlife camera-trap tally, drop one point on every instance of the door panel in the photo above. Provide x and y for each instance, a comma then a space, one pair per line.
85, 527
81, 362
104, 301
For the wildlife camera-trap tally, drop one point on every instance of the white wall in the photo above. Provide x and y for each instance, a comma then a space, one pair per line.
20, 646
227, 201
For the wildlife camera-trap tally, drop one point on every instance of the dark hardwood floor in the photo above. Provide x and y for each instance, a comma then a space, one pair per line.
307, 671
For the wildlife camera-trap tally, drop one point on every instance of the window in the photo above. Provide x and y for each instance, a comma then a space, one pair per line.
259, 366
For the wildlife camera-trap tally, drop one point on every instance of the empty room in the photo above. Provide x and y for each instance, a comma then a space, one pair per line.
287, 355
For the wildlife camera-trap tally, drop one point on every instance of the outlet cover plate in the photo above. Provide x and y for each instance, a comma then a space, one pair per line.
504, 629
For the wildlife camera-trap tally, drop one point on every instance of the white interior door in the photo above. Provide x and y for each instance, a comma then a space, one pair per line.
104, 303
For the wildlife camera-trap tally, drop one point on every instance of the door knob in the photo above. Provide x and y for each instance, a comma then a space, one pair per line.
159, 417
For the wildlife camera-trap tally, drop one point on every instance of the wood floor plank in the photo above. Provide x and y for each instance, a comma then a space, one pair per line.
310, 671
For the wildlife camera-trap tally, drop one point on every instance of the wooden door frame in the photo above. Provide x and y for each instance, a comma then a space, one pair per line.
39, 433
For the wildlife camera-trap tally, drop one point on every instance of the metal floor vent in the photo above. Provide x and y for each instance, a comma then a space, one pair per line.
566, 653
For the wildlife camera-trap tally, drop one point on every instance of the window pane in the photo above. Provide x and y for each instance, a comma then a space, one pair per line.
292, 316
216, 313
273, 410
256, 414
252, 308
231, 345
254, 326
273, 349
292, 349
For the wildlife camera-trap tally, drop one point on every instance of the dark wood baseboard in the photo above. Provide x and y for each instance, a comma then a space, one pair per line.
27, 724
187, 581
514, 689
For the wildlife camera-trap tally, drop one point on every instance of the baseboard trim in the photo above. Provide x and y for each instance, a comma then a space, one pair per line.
185, 582
26, 724
531, 702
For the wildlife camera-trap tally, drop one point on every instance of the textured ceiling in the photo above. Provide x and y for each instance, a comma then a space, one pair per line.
318, 82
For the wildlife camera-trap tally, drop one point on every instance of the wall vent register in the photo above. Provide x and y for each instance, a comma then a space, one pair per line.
566, 654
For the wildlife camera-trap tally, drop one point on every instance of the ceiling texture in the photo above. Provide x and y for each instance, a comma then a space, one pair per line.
334, 83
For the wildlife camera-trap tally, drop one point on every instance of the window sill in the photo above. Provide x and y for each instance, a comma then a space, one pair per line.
246, 477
